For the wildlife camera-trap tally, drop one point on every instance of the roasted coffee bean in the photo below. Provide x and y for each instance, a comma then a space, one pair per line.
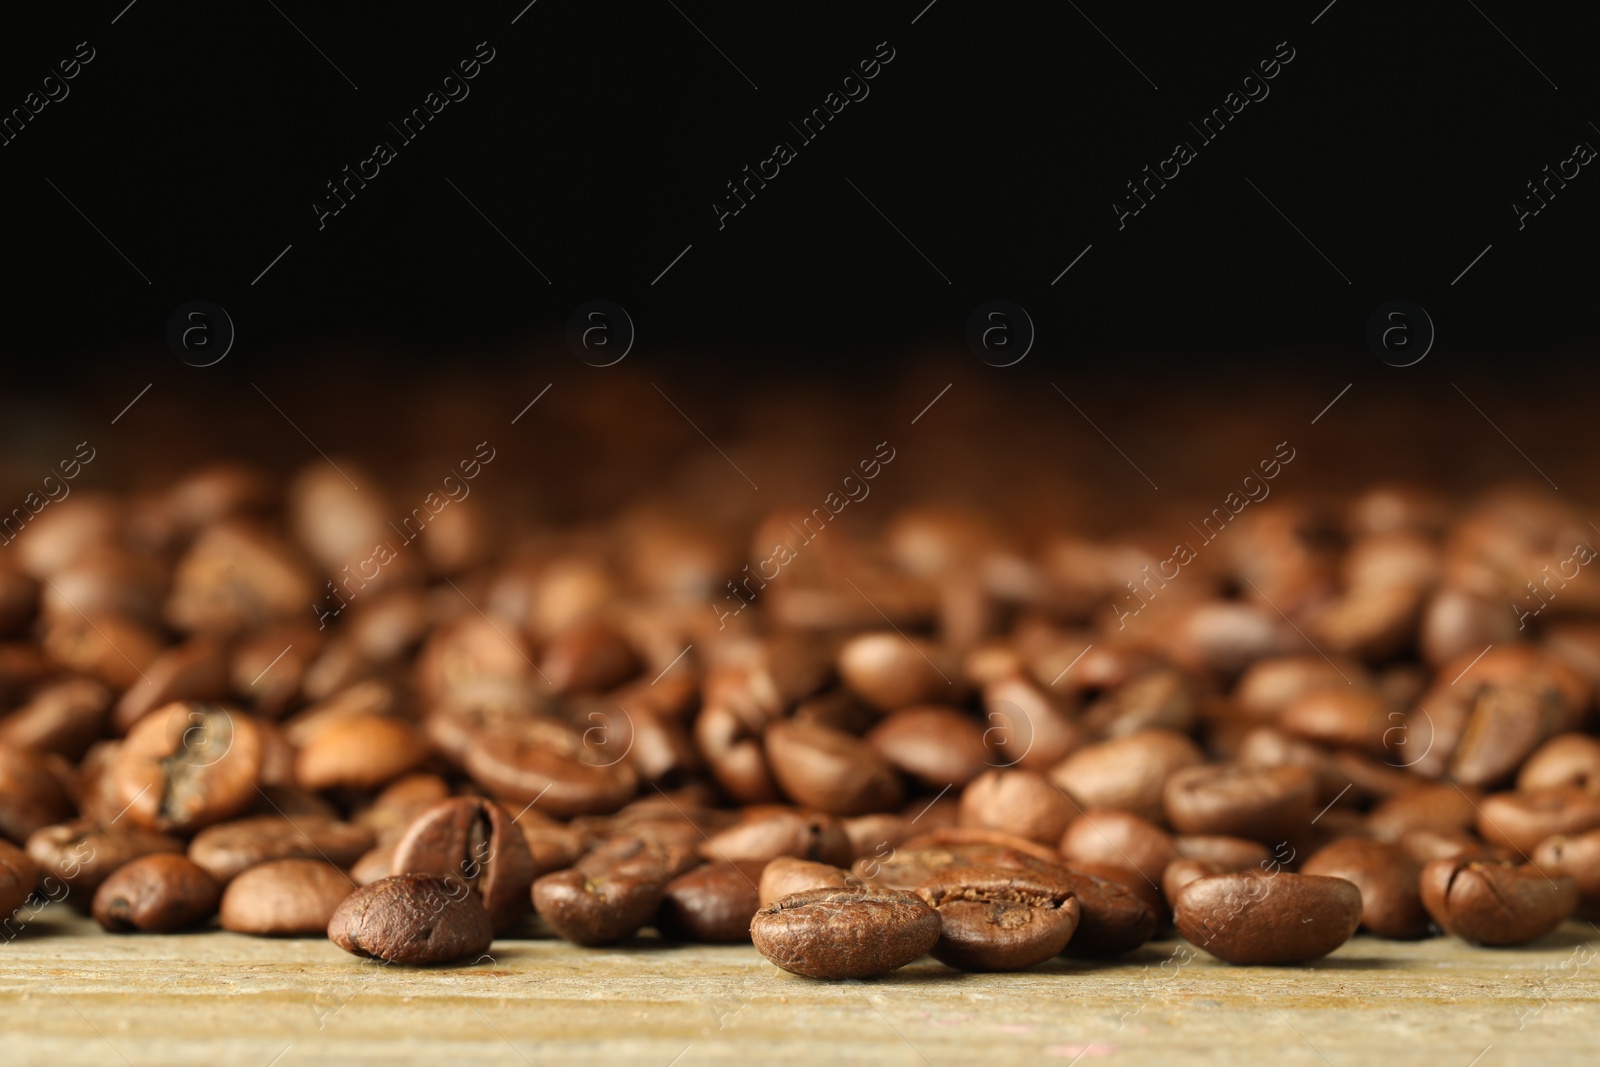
889, 671
195, 670
999, 919
156, 894
474, 840
392, 810
786, 876
1577, 857
1566, 759
1342, 716
1116, 837
765, 832
1027, 726
285, 898
553, 769
730, 743
83, 854
64, 717
938, 746
360, 752
373, 865
1391, 902
186, 766
870, 833
1444, 808
597, 909
227, 850
30, 795
713, 903
1021, 802
1112, 918
1127, 773
829, 770
19, 874
974, 840
1507, 724
413, 919
234, 577
589, 658
650, 856
1496, 903
1257, 918
1228, 853
1159, 700
1260, 803
845, 933
1180, 872
1520, 820
1425, 846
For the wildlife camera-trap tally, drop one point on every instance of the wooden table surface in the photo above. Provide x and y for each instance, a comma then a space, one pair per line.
70, 994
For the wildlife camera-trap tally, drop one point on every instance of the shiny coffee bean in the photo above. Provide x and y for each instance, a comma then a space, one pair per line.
829, 770
1258, 918
598, 909
1127, 773
1496, 903
845, 933
938, 746
1118, 838
285, 898
185, 766
999, 919
412, 919
889, 671
1260, 803
360, 752
1020, 802
713, 903
156, 894
786, 876
1391, 901
475, 840
765, 832
83, 854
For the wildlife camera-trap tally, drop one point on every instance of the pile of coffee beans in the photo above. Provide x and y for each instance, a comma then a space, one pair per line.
274, 707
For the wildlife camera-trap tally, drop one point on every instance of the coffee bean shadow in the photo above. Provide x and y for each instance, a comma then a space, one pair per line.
1567, 935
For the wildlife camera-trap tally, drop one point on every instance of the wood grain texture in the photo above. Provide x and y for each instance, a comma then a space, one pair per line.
72, 995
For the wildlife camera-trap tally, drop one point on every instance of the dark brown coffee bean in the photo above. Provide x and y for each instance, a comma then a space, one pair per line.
713, 903
1520, 820
597, 909
1258, 918
475, 840
938, 746
786, 876
1260, 803
186, 766
156, 894
19, 874
285, 898
1127, 773
1112, 918
999, 919
1020, 802
1496, 903
1507, 724
30, 795
413, 919
82, 854
1147, 890
889, 671
845, 933
829, 770
765, 832
227, 850
1391, 902
1118, 838
64, 717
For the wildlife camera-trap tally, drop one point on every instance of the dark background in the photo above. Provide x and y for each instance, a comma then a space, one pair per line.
596, 140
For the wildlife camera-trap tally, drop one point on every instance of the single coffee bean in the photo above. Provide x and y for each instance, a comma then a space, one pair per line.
883, 830
1444, 807
551, 766
588, 658
413, 919
1258, 918
939, 746
1112, 919
30, 795
765, 832
156, 894
393, 810
285, 898
1180, 872
1566, 759
1027, 725
373, 865
845, 933
1118, 838
1425, 846
974, 840
786, 876
1147, 890
194, 670
64, 717
1496, 903
1391, 901
1019, 802
1127, 773
1507, 724
1577, 857
1342, 716
889, 671
651, 856
728, 738
360, 752
713, 903
829, 770
1260, 803
228, 849
83, 854
186, 766
998, 919
475, 840
1229, 853
598, 909
1521, 820
19, 874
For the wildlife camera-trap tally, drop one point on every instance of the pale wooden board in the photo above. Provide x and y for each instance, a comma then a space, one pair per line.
72, 995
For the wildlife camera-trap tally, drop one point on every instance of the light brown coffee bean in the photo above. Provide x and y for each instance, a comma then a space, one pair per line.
550, 766
1118, 838
1508, 722
1180, 872
1127, 773
360, 752
1496, 903
1027, 726
1020, 802
195, 670
186, 766
889, 671
1260, 803
412, 919
830, 770
1443, 808
234, 577
1519, 820
1257, 918
156, 894
64, 717
1391, 902
765, 832
285, 898
1229, 853
845, 933
227, 850
589, 658
786, 876
1564, 760
939, 746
